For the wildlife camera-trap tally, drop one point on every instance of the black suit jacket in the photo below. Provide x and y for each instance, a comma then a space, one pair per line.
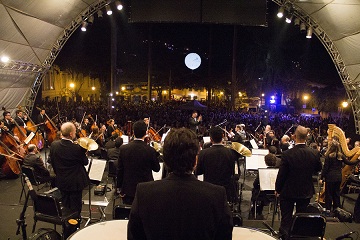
68, 160
20, 121
180, 207
294, 179
136, 162
35, 161
10, 125
193, 124
217, 163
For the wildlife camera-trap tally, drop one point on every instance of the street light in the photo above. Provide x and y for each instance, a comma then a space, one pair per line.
344, 104
72, 85
305, 97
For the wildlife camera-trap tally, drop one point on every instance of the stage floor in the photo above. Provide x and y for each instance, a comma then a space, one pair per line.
10, 209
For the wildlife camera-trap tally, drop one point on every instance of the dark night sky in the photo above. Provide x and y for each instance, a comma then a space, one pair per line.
90, 50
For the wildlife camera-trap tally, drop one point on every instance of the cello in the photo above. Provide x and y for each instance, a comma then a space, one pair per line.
9, 166
51, 129
38, 139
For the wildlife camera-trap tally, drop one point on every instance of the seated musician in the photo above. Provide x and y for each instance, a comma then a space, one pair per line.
111, 142
259, 197
113, 153
240, 134
98, 138
86, 126
33, 159
180, 206
217, 163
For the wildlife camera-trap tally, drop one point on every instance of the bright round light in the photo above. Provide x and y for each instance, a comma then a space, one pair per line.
5, 59
72, 85
345, 104
92, 88
306, 97
192, 61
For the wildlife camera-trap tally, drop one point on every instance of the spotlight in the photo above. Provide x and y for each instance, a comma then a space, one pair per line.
289, 18
297, 21
5, 59
83, 27
119, 6
309, 32
91, 19
280, 13
100, 14
302, 27
108, 10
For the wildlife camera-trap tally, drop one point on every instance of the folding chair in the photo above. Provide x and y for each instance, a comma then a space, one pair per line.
121, 211
47, 208
30, 173
307, 225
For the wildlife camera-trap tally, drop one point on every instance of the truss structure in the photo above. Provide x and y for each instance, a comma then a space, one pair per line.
352, 87
56, 48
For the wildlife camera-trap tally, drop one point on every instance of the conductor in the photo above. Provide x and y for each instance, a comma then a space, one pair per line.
194, 121
69, 160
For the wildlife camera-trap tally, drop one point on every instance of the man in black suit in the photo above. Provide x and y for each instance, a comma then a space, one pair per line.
41, 120
8, 121
294, 180
136, 162
217, 163
180, 206
194, 122
69, 160
34, 160
21, 120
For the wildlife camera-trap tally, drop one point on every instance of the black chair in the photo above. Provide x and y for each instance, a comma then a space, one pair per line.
307, 225
47, 208
30, 173
121, 211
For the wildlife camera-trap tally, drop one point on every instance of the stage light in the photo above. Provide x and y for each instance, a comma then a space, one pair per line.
289, 18
280, 13
309, 32
83, 26
93, 88
119, 6
108, 10
297, 21
91, 19
5, 59
100, 14
302, 27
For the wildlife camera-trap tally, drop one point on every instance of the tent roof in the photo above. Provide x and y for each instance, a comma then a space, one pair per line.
193, 105
29, 30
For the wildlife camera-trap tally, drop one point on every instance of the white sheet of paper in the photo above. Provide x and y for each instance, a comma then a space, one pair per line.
253, 144
157, 175
97, 169
206, 139
125, 139
255, 162
267, 178
260, 151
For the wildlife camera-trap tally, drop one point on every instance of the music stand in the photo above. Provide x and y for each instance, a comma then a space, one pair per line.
267, 179
95, 170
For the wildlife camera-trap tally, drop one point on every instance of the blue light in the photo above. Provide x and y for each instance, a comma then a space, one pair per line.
272, 99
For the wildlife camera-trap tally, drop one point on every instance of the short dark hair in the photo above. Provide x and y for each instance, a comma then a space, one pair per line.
5, 113
118, 142
270, 160
18, 111
180, 149
139, 129
216, 134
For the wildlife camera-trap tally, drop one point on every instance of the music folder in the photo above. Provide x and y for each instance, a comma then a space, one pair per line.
96, 170
267, 178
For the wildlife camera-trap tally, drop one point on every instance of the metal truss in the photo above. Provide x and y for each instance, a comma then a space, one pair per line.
352, 87
22, 66
58, 45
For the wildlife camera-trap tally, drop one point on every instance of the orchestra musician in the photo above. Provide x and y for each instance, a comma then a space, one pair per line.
240, 134
69, 160
41, 119
195, 121
180, 206
86, 127
217, 163
136, 162
110, 128
21, 120
8, 121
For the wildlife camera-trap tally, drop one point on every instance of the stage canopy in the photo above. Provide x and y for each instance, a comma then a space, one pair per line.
33, 32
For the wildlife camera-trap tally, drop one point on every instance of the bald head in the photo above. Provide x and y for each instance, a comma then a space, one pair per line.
68, 130
301, 134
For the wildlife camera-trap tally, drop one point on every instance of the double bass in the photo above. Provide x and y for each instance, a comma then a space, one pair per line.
50, 128
9, 162
38, 139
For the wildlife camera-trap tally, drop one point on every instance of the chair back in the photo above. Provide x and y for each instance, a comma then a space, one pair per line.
121, 211
30, 173
47, 205
307, 225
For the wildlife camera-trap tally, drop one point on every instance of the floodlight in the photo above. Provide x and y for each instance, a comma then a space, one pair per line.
91, 19
289, 18
100, 13
297, 21
108, 10
118, 5
309, 32
83, 27
302, 27
280, 13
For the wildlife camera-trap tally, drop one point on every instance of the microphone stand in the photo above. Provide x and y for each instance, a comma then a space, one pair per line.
21, 220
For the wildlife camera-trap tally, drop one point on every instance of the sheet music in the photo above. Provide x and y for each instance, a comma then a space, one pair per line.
28, 139
260, 151
253, 144
267, 178
206, 139
255, 162
97, 169
125, 139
